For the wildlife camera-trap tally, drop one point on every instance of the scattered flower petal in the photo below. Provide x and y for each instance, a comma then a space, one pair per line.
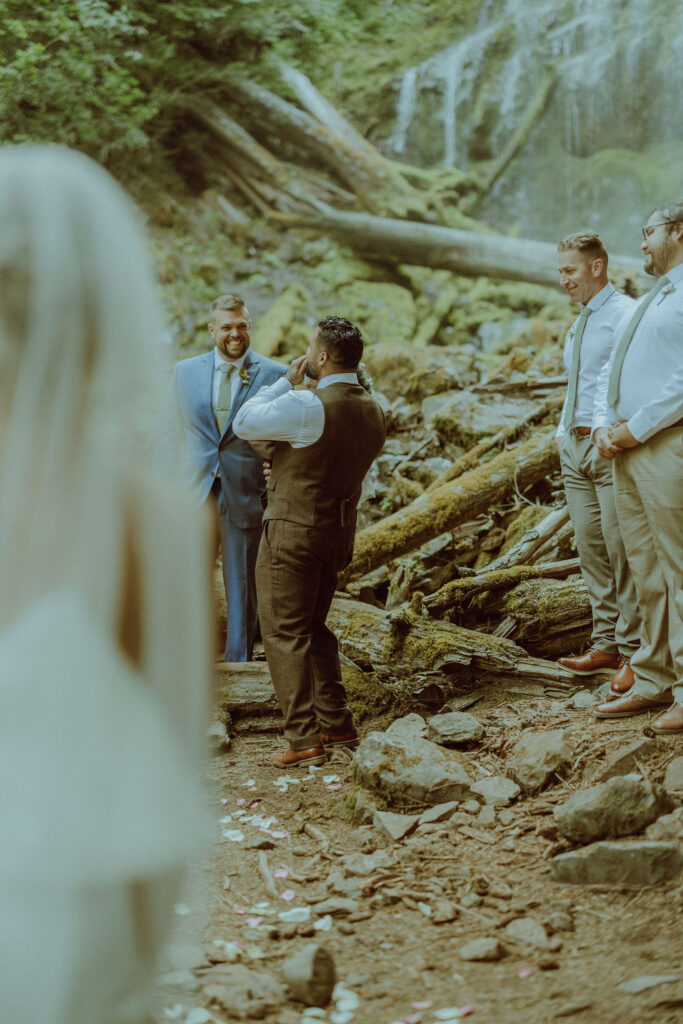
330, 778
281, 873
325, 925
334, 785
239, 910
173, 1013
234, 835
254, 922
465, 1011
240, 801
226, 882
224, 801
525, 972
254, 803
288, 895
254, 952
277, 835
181, 909
198, 1016
447, 1013
226, 820
250, 782
425, 909
341, 1017
424, 1005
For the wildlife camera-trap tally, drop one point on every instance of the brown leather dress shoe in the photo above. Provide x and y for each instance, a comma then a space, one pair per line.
293, 758
630, 704
590, 662
340, 739
669, 722
622, 680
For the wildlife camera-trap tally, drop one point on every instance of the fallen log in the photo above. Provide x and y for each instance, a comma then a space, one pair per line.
403, 644
462, 252
531, 540
438, 511
549, 617
456, 593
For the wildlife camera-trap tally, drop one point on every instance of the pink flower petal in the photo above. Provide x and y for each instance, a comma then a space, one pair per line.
255, 803
224, 802
412, 1018
465, 1011
424, 1005
239, 910
525, 972
241, 801
254, 922
281, 873
276, 835
288, 895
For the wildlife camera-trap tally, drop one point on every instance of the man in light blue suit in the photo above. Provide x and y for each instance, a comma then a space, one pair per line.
206, 392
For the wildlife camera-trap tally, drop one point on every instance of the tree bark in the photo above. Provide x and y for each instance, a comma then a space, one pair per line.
438, 511
459, 592
403, 643
531, 541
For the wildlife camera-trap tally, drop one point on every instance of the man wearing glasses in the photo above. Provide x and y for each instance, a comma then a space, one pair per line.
638, 423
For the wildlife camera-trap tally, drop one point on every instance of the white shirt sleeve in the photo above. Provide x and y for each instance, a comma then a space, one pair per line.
663, 412
278, 413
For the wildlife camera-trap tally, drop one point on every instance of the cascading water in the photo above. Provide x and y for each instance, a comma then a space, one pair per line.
609, 143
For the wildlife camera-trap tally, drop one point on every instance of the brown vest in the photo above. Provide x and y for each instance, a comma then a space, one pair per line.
320, 485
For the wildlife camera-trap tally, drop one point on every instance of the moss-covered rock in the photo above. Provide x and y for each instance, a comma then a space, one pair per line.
384, 312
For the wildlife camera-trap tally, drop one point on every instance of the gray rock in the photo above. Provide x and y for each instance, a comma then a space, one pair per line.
559, 921
336, 906
362, 865
243, 993
363, 809
497, 790
528, 931
625, 758
407, 770
408, 727
481, 949
471, 899
673, 780
635, 862
472, 416
454, 728
487, 816
443, 911
619, 807
537, 757
440, 812
668, 828
635, 985
395, 826
471, 807
338, 883
500, 891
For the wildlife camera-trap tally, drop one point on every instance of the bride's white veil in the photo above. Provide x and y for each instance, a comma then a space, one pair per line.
81, 366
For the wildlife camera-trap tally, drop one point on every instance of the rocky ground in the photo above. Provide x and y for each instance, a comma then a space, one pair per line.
516, 862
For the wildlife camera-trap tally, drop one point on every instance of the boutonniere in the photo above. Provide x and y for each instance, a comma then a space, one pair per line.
244, 375
670, 288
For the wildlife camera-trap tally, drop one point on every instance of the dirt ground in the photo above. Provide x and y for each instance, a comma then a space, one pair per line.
400, 964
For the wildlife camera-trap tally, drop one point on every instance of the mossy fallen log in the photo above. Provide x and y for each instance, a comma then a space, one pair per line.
404, 643
438, 511
459, 593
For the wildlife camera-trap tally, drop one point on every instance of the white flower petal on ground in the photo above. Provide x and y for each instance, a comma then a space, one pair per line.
295, 914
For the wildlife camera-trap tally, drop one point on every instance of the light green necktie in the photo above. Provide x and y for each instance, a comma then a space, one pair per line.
625, 341
224, 400
574, 369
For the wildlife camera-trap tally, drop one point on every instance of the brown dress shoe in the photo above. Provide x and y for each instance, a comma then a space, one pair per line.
630, 704
293, 758
622, 680
340, 739
669, 722
590, 662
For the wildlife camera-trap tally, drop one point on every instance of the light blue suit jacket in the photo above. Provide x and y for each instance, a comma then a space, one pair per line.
203, 450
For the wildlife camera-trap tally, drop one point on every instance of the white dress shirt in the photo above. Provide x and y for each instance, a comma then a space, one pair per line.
651, 385
279, 413
608, 306
218, 359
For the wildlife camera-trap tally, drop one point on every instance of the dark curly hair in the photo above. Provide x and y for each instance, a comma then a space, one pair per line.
342, 341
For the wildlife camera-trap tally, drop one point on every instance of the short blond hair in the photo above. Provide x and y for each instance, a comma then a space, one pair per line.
587, 243
228, 302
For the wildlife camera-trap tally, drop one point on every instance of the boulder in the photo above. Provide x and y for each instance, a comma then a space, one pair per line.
667, 828
464, 417
618, 862
497, 790
619, 807
454, 728
409, 726
409, 770
311, 975
537, 757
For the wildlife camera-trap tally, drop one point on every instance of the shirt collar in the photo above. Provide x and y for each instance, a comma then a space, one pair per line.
218, 359
601, 297
338, 378
675, 275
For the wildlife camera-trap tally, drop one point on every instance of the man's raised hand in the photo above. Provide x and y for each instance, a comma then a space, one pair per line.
604, 443
296, 371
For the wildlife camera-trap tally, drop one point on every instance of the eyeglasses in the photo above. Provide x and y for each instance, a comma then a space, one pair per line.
648, 229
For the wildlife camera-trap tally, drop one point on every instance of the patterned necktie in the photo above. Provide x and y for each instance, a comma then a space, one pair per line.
224, 400
574, 370
626, 339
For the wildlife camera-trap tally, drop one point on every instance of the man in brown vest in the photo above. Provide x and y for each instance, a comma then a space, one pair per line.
324, 443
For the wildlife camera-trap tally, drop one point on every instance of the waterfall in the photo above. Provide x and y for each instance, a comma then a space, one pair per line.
618, 78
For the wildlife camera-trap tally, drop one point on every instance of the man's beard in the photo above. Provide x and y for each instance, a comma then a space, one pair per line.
657, 263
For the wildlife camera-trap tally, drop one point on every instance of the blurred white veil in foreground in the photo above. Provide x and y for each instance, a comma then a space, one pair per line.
104, 616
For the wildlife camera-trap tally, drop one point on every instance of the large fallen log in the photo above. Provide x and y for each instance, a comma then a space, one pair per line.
463, 252
403, 644
457, 593
438, 511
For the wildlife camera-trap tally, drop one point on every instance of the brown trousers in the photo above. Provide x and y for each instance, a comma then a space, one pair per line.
296, 576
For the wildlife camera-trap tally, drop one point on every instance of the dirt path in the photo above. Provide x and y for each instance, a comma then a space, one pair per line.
401, 965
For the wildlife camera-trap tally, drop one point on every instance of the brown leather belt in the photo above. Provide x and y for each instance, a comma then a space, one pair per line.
581, 431
678, 423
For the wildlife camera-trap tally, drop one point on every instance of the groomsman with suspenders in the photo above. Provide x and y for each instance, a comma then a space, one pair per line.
639, 425
587, 476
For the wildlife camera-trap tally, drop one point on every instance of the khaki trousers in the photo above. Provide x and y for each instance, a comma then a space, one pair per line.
589, 487
296, 576
648, 483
